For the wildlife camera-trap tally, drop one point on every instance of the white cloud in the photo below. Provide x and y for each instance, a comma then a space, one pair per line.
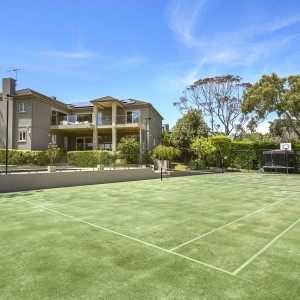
242, 46
183, 17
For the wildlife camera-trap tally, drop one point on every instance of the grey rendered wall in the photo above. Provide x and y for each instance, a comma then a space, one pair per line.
35, 181
22, 121
40, 125
155, 129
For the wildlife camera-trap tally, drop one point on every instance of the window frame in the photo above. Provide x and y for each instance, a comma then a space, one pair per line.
22, 136
134, 116
21, 107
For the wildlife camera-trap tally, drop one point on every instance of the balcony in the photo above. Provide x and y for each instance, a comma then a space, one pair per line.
105, 121
71, 120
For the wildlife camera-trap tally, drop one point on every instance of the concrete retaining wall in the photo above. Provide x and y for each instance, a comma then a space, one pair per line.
36, 181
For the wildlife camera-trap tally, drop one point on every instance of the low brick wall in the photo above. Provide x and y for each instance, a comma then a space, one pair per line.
36, 181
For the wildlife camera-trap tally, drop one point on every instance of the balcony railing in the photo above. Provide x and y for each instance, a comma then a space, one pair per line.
71, 120
105, 120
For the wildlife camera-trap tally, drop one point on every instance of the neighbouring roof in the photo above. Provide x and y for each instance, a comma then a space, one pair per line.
32, 93
80, 104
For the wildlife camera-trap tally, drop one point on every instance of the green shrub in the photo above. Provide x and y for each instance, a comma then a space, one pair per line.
16, 157
223, 145
148, 157
130, 150
205, 151
40, 158
162, 152
88, 158
23, 157
197, 164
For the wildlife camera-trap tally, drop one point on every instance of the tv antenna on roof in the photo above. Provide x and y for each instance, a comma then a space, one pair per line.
16, 70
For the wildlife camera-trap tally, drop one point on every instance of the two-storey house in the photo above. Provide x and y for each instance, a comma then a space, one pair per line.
34, 120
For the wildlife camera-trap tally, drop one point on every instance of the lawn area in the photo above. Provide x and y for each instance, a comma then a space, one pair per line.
216, 236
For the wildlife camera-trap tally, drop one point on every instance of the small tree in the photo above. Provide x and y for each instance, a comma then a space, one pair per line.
166, 138
204, 148
129, 149
165, 153
52, 152
190, 126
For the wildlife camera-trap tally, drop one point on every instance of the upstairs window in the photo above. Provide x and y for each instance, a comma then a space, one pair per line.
22, 107
99, 119
132, 116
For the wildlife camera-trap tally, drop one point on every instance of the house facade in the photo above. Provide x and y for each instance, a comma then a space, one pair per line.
34, 120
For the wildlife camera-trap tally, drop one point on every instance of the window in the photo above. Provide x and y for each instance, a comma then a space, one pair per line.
154, 142
22, 107
22, 136
132, 116
99, 119
84, 143
53, 138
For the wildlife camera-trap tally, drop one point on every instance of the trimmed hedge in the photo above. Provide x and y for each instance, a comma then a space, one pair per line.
23, 157
88, 158
249, 155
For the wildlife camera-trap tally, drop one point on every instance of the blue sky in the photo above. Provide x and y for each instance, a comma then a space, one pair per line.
79, 50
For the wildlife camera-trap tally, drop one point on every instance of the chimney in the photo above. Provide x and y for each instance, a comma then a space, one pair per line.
8, 87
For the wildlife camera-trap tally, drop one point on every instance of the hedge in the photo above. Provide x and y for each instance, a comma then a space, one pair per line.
88, 158
249, 155
22, 157
243, 155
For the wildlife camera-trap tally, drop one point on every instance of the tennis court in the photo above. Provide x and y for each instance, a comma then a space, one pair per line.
216, 236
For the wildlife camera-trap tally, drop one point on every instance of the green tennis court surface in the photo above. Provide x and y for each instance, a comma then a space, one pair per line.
218, 236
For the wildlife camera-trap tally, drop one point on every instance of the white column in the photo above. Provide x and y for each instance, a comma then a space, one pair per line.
95, 123
114, 129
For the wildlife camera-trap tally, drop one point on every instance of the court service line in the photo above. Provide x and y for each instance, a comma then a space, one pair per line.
245, 264
239, 219
130, 238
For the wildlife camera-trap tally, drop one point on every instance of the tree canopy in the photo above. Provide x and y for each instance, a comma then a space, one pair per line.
190, 126
219, 98
273, 94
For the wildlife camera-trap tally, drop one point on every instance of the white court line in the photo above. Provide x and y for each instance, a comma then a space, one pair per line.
131, 238
245, 264
239, 219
